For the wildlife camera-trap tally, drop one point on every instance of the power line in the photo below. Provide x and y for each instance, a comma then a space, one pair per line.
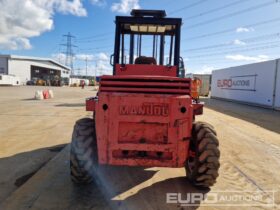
276, 35
228, 60
57, 49
86, 39
91, 59
194, 4
187, 7
248, 40
237, 45
226, 63
216, 9
211, 60
240, 48
232, 29
96, 36
259, 6
236, 51
93, 40
97, 48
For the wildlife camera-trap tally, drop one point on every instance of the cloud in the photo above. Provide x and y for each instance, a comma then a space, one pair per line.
97, 63
103, 68
59, 57
239, 42
103, 56
100, 3
207, 69
74, 7
266, 57
89, 57
21, 20
244, 30
16, 43
258, 58
102, 65
99, 66
125, 6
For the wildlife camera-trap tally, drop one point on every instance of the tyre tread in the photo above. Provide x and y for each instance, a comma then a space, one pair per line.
207, 163
82, 151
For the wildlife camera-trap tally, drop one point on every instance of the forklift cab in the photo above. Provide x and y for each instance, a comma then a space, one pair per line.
147, 43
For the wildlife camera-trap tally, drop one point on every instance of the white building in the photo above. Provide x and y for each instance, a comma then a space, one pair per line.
27, 68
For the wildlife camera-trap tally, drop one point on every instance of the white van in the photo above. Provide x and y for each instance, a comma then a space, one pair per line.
9, 80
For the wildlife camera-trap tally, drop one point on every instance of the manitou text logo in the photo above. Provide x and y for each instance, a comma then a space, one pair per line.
150, 109
246, 82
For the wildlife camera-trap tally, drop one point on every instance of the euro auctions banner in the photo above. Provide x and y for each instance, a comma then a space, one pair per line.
253, 83
244, 82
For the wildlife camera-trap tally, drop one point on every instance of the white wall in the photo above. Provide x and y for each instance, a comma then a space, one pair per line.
253, 83
277, 95
65, 73
3, 65
78, 81
22, 68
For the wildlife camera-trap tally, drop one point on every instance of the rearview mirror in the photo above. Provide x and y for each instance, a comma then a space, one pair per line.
112, 60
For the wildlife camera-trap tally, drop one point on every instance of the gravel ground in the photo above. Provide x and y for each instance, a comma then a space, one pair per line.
33, 132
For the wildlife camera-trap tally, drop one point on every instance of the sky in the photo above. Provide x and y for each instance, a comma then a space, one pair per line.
215, 34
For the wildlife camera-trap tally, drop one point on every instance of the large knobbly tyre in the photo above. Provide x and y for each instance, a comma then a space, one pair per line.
202, 165
83, 151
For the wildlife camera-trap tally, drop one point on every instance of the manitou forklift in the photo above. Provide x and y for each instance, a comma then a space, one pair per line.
143, 114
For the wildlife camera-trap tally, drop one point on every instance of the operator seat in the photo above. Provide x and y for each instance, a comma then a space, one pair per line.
145, 60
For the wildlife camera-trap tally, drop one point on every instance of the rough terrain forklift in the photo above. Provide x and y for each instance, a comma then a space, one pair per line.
143, 114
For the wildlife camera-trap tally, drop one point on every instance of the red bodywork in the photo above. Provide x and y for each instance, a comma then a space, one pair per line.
143, 120
153, 70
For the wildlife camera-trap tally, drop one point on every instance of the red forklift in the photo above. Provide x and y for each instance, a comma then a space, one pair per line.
143, 114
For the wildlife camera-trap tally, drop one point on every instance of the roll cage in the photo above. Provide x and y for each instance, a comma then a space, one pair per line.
139, 25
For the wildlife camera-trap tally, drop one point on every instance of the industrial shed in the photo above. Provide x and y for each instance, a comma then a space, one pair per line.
27, 68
